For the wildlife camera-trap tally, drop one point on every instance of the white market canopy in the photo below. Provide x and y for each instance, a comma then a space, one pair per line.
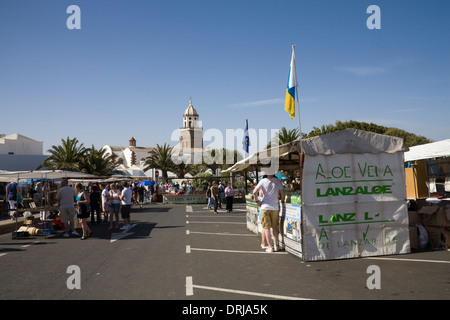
9, 176
429, 151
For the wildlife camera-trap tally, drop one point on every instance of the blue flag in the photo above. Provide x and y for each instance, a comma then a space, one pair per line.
246, 139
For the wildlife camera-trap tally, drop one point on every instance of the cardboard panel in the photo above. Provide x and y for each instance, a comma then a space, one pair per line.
354, 205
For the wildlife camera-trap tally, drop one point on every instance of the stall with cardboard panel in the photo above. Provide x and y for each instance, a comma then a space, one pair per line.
427, 171
352, 201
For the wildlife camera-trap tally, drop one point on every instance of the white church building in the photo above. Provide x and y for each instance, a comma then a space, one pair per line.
132, 157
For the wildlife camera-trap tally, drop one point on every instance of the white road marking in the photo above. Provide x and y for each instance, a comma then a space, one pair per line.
234, 251
188, 249
123, 234
30, 244
189, 287
411, 260
224, 234
190, 291
217, 222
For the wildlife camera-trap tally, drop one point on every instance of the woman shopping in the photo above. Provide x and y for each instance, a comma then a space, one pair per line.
83, 213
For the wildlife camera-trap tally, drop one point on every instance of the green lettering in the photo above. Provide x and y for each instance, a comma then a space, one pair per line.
387, 170
323, 233
321, 219
369, 173
319, 168
345, 172
340, 173
363, 172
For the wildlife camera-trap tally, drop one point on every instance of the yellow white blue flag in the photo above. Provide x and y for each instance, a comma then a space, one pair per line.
289, 104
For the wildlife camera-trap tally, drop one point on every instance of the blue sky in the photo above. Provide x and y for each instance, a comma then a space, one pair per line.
133, 66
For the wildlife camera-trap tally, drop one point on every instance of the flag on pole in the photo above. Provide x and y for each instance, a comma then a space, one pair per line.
246, 139
289, 104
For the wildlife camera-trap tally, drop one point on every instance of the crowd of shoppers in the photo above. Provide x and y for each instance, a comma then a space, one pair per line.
217, 194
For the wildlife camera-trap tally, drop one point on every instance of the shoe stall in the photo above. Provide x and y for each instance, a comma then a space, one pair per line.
352, 198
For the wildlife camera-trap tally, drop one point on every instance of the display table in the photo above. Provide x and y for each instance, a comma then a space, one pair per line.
289, 225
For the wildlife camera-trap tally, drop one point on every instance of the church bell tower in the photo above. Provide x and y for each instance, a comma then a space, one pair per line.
191, 134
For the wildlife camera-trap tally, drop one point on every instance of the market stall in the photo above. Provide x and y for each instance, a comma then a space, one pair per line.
427, 170
30, 208
352, 201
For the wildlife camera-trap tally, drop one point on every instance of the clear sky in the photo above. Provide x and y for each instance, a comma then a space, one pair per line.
133, 66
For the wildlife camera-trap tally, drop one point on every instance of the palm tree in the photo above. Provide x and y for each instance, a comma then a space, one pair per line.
67, 156
284, 136
160, 158
181, 169
98, 163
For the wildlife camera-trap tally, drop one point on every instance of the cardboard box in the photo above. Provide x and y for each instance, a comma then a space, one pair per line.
414, 218
433, 216
447, 237
435, 237
413, 237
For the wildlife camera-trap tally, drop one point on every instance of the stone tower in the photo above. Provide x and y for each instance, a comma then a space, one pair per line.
191, 134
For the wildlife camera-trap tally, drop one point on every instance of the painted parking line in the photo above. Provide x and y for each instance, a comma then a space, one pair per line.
216, 216
190, 291
30, 244
222, 234
234, 210
3, 254
234, 251
216, 222
404, 259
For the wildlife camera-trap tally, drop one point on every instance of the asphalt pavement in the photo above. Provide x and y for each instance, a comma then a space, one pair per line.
189, 254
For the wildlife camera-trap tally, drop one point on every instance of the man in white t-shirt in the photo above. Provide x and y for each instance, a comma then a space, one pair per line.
125, 209
271, 187
66, 197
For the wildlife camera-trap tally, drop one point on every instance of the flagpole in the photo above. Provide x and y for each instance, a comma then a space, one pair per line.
300, 151
296, 94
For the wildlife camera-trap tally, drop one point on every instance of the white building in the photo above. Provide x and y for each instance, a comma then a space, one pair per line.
18, 152
131, 158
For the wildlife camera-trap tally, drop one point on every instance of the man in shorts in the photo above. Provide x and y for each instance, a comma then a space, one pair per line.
126, 198
66, 198
271, 187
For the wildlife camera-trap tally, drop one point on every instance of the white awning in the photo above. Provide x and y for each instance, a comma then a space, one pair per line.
8, 176
429, 151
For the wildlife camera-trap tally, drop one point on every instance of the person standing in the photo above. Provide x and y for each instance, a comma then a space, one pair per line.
95, 201
229, 194
221, 193
271, 188
12, 194
83, 200
215, 194
208, 196
104, 192
114, 205
141, 191
66, 198
126, 199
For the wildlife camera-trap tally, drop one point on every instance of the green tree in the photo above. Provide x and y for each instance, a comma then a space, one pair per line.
410, 139
284, 136
160, 158
202, 180
99, 163
67, 156
181, 169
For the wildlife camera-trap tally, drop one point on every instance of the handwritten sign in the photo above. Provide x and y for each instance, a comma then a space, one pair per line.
354, 205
